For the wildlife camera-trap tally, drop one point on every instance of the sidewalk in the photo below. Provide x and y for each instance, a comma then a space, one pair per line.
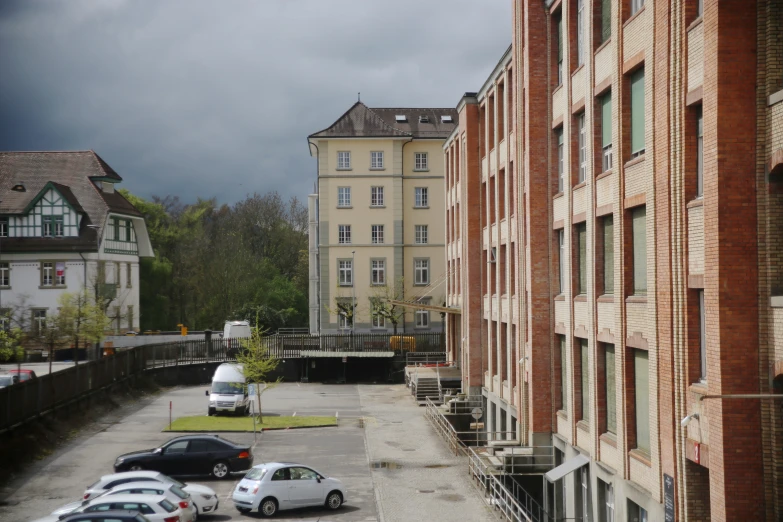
414, 475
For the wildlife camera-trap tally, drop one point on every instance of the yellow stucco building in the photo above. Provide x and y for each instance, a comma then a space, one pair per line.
377, 219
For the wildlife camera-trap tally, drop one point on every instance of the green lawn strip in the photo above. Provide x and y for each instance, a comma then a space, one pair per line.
202, 423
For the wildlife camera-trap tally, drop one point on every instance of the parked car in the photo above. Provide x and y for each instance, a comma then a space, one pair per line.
8, 379
23, 375
276, 486
229, 392
190, 455
204, 498
171, 491
155, 507
107, 516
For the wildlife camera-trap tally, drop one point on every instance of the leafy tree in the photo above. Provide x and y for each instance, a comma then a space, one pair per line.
11, 345
257, 364
81, 318
379, 300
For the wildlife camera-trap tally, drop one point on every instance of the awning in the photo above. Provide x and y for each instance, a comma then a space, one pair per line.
567, 467
319, 353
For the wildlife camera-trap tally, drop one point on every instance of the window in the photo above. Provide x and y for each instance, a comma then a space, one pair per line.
5, 274
637, 113
563, 374
378, 320
560, 161
130, 317
376, 196
610, 390
581, 258
377, 234
582, 149
128, 275
562, 271
343, 321
702, 338
608, 501
583, 503
280, 474
636, 5
421, 271
636, 513
700, 8
47, 274
606, 131
378, 270
642, 399
699, 153
52, 226
584, 371
343, 196
39, 321
639, 231
3, 227
608, 254
343, 160
422, 197
421, 162
117, 274
346, 273
59, 227
344, 234
376, 160
303, 474
422, 235
422, 318
606, 20
59, 273
560, 50
580, 32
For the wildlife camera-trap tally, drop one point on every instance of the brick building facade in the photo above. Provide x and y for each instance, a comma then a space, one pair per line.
621, 170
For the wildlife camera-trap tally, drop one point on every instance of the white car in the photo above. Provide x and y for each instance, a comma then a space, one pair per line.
276, 486
157, 508
172, 492
204, 498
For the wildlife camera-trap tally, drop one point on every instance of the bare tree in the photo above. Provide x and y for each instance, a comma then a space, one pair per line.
380, 297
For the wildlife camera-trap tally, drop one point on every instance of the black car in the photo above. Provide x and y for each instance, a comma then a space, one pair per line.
190, 455
107, 516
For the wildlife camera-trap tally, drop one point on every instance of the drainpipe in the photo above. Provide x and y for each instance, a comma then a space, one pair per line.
402, 243
318, 235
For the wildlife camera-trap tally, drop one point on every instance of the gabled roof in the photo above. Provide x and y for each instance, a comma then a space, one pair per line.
361, 121
74, 175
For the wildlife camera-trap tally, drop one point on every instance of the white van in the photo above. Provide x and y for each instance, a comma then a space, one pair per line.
228, 393
236, 329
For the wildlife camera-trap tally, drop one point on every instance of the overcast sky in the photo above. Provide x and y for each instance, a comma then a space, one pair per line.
215, 98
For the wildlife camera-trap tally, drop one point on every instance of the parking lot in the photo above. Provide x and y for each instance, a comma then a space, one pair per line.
378, 451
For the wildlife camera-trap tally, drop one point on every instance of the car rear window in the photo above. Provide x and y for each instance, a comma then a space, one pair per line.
178, 491
166, 478
168, 506
256, 474
141, 518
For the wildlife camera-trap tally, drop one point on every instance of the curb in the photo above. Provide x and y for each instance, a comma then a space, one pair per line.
251, 431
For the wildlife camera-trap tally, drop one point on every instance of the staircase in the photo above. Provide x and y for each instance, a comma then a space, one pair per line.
427, 387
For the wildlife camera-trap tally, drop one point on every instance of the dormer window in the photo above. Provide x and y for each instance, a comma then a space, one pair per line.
424, 119
53, 226
400, 118
446, 119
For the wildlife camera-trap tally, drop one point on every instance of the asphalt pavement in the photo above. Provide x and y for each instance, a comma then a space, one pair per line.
40, 368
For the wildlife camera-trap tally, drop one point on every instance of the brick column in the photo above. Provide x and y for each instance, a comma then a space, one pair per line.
731, 272
535, 169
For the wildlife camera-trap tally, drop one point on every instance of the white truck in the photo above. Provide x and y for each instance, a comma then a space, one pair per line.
228, 393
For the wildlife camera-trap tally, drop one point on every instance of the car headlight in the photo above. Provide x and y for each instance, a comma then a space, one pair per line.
118, 461
211, 403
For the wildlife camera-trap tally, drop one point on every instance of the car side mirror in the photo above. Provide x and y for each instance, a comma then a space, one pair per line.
158, 450
206, 393
318, 479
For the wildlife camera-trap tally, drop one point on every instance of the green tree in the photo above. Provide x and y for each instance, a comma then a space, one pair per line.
81, 318
380, 297
11, 344
257, 364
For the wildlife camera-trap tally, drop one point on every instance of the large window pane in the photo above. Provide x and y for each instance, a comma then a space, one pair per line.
606, 120
608, 254
562, 258
581, 238
699, 153
637, 113
606, 20
611, 389
639, 218
642, 399
563, 374
702, 338
585, 372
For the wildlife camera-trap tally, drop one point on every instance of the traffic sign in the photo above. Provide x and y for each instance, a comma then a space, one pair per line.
477, 413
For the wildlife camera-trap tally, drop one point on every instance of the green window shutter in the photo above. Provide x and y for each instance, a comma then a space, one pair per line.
606, 20
581, 232
637, 111
606, 119
639, 219
609, 254
641, 376
585, 371
611, 391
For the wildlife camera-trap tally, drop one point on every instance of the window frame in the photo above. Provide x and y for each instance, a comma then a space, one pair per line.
377, 320
421, 162
39, 321
345, 272
421, 317
343, 160
607, 229
376, 160
421, 271
580, 235
4, 227
582, 143
377, 272
642, 436
421, 234
377, 196
638, 255
560, 160
610, 392
584, 379
636, 91
699, 152
702, 336
5, 274
580, 33
343, 197
421, 197
562, 260
636, 6
377, 234
607, 160
343, 234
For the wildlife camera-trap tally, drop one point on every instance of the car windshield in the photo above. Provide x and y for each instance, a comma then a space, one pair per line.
256, 474
168, 506
6, 380
178, 491
232, 388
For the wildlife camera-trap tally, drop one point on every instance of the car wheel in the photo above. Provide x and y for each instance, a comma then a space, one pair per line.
210, 412
334, 500
135, 467
268, 507
241, 411
220, 469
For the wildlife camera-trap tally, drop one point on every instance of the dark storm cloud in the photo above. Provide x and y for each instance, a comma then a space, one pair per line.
208, 98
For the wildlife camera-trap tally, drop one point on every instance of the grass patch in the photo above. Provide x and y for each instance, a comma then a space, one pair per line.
199, 423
